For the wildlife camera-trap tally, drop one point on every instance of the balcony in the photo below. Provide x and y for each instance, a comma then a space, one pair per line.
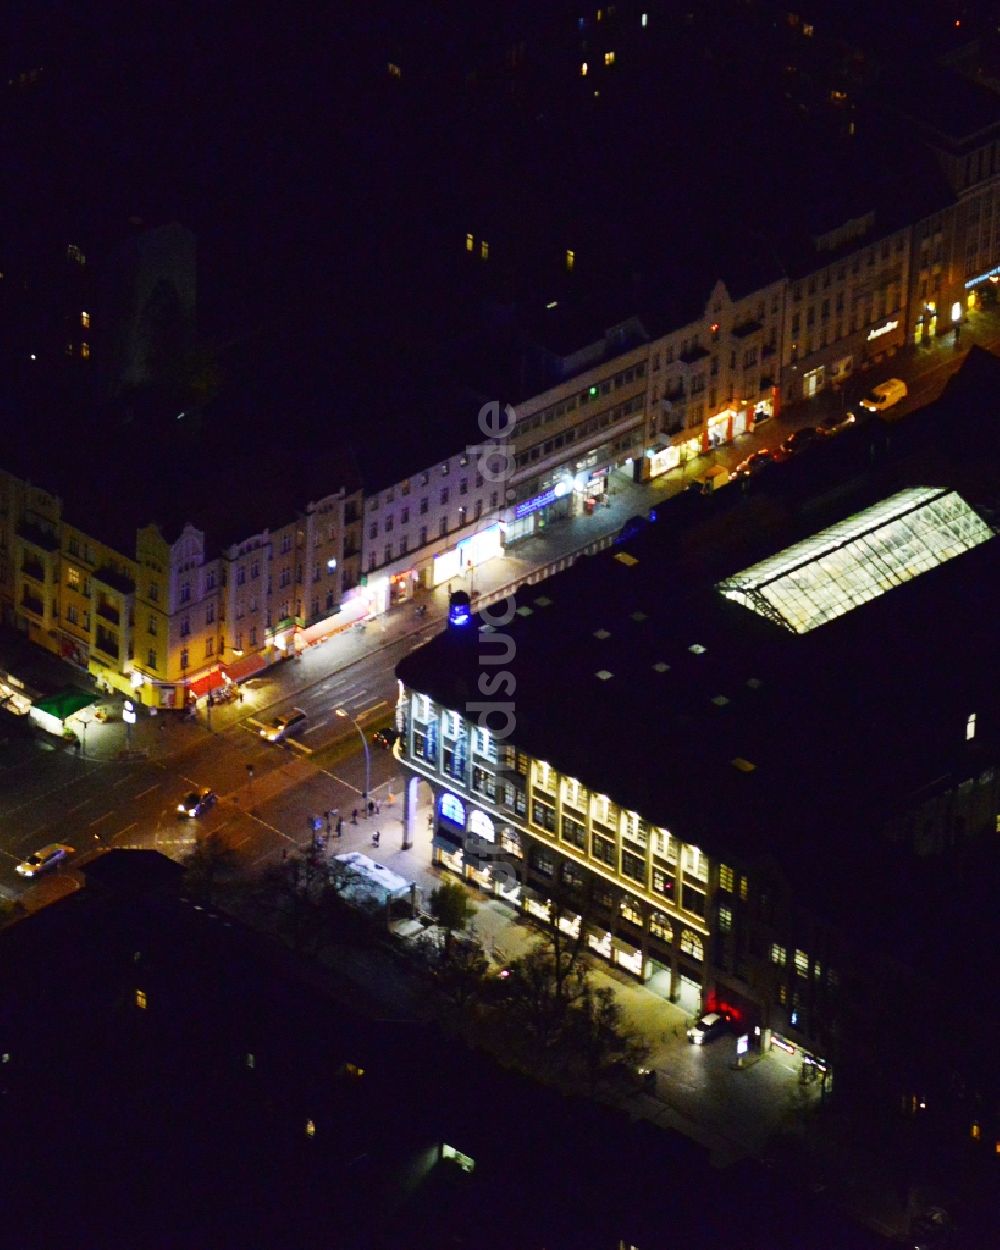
114, 580
43, 539
745, 329
106, 643
108, 612
33, 569
32, 604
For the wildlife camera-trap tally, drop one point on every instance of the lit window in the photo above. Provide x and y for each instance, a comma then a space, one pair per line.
583, 70
73, 578
394, 70
484, 250
725, 878
975, 1132
970, 727
85, 320
140, 999
645, 19
470, 243
85, 350
691, 944
725, 919
801, 962
779, 955
744, 886
782, 995
570, 260
310, 1128
609, 58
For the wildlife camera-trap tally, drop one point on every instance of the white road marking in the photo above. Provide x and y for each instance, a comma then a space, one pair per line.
125, 830
99, 819
142, 793
318, 725
79, 805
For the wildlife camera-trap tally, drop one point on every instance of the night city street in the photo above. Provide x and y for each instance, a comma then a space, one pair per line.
499, 543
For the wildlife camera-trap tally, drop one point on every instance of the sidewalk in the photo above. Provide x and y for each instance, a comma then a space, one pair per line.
167, 734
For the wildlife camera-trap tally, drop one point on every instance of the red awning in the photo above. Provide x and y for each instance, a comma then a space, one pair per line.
211, 681
245, 667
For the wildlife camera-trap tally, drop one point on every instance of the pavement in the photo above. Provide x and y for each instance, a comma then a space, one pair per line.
700, 1090
925, 367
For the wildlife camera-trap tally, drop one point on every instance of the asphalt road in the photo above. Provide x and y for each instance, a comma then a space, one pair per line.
52, 795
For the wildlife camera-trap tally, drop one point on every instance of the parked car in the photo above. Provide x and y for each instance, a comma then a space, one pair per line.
385, 737
709, 1027
756, 461
44, 859
283, 726
885, 395
197, 802
836, 422
799, 439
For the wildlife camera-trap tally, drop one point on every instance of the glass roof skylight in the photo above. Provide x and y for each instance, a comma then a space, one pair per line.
858, 559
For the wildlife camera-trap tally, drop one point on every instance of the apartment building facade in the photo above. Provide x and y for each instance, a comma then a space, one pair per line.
431, 526
713, 379
171, 622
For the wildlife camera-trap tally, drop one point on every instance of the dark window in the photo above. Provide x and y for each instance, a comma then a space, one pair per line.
633, 866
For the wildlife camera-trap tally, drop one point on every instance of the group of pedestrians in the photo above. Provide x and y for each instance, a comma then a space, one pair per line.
371, 812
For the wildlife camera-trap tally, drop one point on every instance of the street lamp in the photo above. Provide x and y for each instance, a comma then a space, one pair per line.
345, 715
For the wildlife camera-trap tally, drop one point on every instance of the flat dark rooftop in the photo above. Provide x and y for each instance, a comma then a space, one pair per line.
634, 674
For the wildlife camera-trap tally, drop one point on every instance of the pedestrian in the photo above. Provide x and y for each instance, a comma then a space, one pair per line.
328, 823
375, 837
354, 817
371, 807
239, 694
340, 827
376, 807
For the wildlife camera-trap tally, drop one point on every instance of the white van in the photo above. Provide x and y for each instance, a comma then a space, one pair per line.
885, 395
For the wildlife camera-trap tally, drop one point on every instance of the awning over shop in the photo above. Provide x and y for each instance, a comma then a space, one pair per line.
243, 668
322, 629
65, 702
211, 681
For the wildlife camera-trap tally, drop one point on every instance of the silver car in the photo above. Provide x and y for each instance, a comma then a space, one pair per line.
284, 725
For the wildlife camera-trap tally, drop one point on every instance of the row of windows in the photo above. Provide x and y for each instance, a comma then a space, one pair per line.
389, 522
582, 431
404, 487
824, 279
582, 398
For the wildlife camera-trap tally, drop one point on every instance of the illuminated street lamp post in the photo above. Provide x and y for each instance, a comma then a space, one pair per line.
345, 715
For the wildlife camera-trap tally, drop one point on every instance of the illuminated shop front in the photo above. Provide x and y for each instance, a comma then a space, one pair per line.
813, 1067
662, 460
401, 587
724, 427
449, 834
468, 554
376, 595
532, 515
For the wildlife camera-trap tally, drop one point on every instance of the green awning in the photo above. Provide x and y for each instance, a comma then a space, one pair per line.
65, 702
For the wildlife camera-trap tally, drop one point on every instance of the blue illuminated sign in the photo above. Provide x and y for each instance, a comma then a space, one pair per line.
532, 505
452, 809
562, 487
983, 277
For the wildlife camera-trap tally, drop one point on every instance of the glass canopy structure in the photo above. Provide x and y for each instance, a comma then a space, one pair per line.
860, 558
